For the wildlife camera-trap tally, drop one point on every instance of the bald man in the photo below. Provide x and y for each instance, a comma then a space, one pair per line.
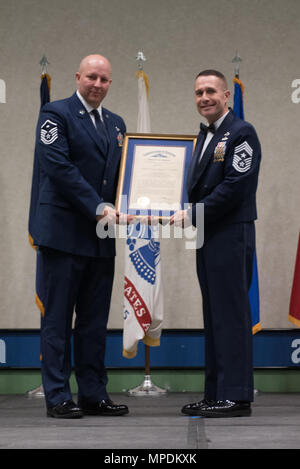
78, 145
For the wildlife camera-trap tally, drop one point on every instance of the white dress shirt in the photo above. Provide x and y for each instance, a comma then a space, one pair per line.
210, 135
89, 108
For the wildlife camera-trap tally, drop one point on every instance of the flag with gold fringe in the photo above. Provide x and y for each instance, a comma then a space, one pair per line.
143, 290
143, 121
238, 109
39, 295
294, 310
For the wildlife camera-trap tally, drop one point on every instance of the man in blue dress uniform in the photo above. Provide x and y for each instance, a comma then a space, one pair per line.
223, 176
78, 144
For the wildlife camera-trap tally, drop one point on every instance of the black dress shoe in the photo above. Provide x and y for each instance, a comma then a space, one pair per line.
226, 409
195, 407
104, 407
65, 410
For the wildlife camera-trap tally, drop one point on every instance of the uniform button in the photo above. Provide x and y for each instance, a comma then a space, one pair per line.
105, 181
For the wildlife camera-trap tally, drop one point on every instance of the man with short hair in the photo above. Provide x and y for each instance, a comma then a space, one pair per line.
223, 176
79, 145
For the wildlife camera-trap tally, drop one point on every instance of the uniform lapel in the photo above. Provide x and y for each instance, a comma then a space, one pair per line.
208, 153
110, 130
193, 164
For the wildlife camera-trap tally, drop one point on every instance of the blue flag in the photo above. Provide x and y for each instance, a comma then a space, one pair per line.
45, 98
238, 109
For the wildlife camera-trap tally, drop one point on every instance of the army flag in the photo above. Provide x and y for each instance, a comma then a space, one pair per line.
143, 289
238, 109
294, 311
44, 98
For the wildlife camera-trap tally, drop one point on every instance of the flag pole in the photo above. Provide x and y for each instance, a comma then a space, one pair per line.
236, 60
147, 388
147, 360
44, 64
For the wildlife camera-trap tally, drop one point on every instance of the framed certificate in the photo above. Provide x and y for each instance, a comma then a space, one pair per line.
153, 174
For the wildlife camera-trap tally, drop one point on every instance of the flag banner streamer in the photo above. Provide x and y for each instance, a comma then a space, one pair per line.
45, 98
143, 122
238, 109
238, 100
143, 289
143, 293
39, 295
294, 310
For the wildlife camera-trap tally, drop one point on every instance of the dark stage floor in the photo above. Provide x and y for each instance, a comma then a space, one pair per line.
153, 423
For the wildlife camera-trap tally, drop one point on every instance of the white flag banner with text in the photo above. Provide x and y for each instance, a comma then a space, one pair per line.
143, 289
143, 292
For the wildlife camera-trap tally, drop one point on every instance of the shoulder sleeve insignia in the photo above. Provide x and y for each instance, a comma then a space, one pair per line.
242, 157
49, 132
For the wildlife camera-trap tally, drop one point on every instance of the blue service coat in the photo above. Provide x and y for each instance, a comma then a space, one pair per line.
76, 175
226, 178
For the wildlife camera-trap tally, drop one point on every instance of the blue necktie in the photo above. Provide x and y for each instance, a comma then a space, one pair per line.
101, 129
